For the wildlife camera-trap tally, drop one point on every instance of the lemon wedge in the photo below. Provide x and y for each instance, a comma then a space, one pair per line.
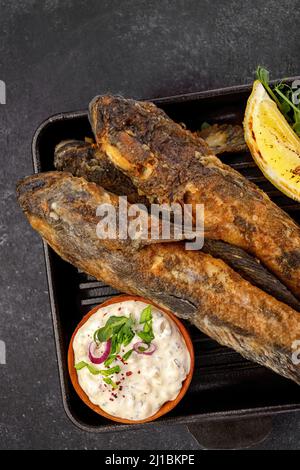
272, 142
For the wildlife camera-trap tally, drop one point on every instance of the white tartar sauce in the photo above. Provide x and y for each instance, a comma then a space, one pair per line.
144, 382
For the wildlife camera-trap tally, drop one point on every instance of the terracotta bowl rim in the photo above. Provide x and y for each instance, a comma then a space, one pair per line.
166, 407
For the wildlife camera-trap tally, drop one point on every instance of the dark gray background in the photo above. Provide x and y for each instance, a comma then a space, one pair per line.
54, 56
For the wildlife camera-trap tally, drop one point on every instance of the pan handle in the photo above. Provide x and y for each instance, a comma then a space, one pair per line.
233, 433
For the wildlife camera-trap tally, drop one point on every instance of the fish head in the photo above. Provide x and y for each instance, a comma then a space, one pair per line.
58, 202
156, 153
68, 150
59, 198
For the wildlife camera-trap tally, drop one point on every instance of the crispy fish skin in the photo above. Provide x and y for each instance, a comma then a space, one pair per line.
83, 197
192, 284
84, 159
224, 138
251, 269
169, 163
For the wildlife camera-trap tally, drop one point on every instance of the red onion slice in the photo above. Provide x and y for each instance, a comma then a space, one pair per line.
96, 359
149, 348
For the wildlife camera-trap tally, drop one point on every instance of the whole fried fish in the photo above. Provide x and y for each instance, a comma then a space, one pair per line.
167, 163
194, 285
84, 159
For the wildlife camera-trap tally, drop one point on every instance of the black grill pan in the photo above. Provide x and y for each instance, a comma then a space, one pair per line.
224, 385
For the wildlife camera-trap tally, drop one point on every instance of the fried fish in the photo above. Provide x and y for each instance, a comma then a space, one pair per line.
224, 138
168, 163
196, 286
84, 159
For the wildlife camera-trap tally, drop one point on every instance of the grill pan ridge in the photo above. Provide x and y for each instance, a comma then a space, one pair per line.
224, 385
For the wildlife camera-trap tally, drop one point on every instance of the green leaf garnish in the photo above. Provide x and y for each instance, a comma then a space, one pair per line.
127, 355
146, 314
282, 94
128, 339
112, 326
146, 337
204, 125
296, 128
264, 77
109, 360
115, 346
125, 334
120, 331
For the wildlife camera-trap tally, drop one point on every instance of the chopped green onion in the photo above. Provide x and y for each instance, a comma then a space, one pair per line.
93, 370
110, 382
146, 314
113, 370
127, 355
146, 337
110, 360
112, 326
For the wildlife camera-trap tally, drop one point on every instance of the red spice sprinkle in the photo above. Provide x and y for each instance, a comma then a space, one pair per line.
119, 308
120, 388
115, 395
111, 399
123, 396
128, 373
118, 383
139, 371
121, 359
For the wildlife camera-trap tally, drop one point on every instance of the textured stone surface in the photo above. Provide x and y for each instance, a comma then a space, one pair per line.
54, 56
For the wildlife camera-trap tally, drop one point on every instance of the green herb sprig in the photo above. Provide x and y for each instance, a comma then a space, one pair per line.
120, 331
147, 334
282, 94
